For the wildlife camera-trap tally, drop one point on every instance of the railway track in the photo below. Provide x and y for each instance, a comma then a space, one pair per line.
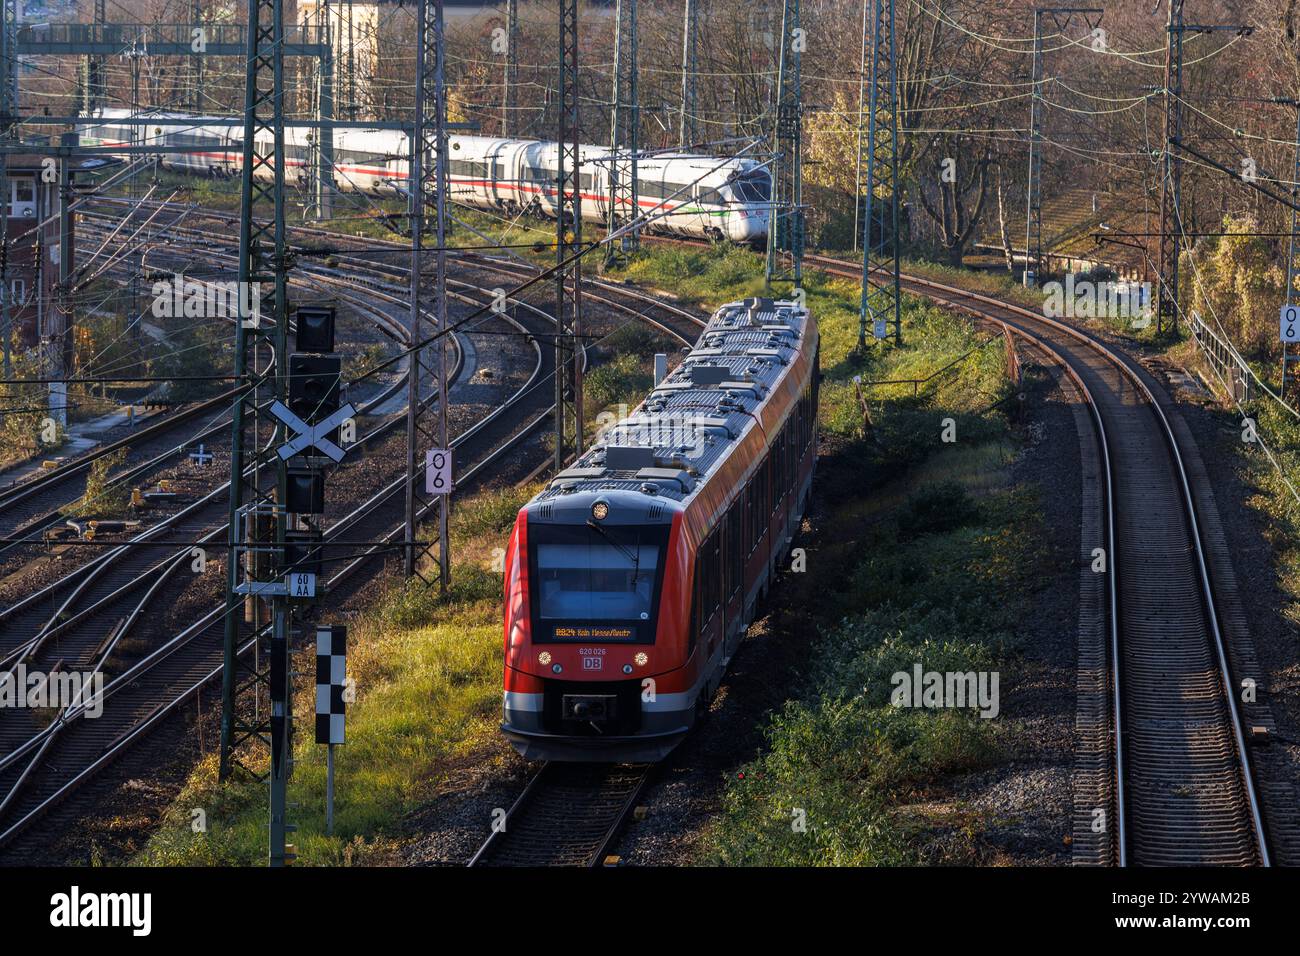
1181, 761
569, 814
39, 770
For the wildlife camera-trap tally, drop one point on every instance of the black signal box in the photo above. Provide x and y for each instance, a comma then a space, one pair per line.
315, 328
305, 491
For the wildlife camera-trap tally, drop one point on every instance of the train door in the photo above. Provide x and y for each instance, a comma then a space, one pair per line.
495, 176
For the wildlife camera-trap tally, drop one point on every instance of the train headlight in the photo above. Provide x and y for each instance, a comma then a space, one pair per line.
600, 510
641, 658
544, 657
556, 668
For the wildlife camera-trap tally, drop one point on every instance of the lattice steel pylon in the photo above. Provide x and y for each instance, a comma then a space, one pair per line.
880, 307
510, 71
263, 262
320, 163
8, 117
196, 61
350, 61
785, 232
428, 182
690, 69
568, 240
1061, 17
1289, 356
625, 123
1171, 194
95, 67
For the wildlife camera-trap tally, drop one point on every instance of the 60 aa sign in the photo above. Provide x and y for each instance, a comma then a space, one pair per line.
437, 472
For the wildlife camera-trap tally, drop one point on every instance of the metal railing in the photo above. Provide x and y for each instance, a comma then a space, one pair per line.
1232, 369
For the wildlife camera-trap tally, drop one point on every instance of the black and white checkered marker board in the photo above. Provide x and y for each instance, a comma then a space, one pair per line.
331, 673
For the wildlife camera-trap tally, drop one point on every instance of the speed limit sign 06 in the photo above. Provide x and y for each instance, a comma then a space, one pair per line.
437, 472
1291, 323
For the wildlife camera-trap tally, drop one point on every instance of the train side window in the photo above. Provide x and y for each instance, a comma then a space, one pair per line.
735, 556
680, 192
650, 189
718, 570
712, 588
695, 615
776, 471
746, 502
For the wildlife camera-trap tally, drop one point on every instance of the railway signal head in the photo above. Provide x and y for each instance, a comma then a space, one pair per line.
303, 553
305, 491
315, 328
314, 386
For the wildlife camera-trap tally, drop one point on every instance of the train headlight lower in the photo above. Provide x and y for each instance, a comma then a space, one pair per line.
600, 510
544, 658
627, 668
556, 668
641, 658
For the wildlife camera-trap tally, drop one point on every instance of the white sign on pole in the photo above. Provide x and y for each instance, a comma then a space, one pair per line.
1291, 323
300, 584
437, 472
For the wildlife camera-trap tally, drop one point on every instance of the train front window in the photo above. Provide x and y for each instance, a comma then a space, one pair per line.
597, 581
596, 575
754, 187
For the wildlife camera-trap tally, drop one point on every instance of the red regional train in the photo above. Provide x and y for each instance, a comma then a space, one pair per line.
631, 579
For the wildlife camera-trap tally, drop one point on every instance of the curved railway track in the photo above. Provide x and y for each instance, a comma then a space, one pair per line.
40, 769
1184, 787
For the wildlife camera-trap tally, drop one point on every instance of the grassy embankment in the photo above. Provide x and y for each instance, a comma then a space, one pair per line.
427, 670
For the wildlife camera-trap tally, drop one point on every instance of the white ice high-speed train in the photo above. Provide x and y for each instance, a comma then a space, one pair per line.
703, 196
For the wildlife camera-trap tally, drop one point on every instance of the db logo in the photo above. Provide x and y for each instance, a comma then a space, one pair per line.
593, 663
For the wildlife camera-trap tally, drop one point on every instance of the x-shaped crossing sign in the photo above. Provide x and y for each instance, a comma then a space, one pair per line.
311, 436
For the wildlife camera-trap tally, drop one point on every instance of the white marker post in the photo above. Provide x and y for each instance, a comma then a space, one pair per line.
331, 708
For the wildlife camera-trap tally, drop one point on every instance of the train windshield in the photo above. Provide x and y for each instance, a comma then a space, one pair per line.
598, 581
596, 574
755, 186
